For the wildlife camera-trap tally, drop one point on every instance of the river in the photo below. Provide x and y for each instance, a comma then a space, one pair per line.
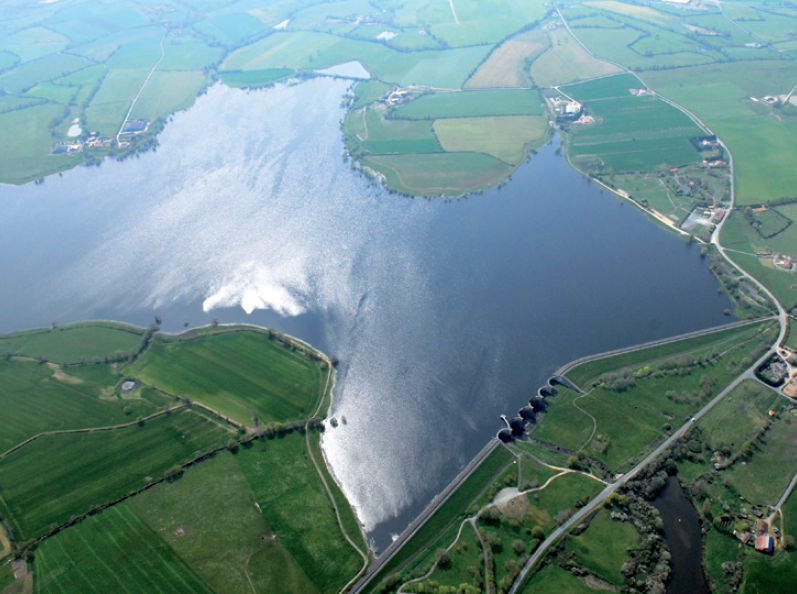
444, 314
684, 539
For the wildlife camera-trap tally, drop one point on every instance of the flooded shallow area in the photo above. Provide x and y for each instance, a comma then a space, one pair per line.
444, 314
684, 539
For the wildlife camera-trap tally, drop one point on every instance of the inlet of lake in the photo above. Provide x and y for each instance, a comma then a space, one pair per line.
444, 314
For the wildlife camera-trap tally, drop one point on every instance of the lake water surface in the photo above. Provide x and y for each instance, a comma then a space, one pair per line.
444, 314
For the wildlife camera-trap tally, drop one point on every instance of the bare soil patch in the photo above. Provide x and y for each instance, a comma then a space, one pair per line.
63, 377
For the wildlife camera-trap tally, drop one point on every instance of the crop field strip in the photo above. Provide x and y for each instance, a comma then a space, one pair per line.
55, 477
114, 551
235, 373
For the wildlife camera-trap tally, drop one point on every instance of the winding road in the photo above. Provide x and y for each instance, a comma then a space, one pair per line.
782, 320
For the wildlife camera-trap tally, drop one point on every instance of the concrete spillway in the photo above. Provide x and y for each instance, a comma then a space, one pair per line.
560, 380
537, 404
527, 413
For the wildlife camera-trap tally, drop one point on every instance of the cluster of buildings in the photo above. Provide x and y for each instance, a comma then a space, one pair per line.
714, 214
398, 97
762, 541
785, 262
565, 108
93, 141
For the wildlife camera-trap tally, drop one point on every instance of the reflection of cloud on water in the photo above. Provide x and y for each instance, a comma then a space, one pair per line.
265, 216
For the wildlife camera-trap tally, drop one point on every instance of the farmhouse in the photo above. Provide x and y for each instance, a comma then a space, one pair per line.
743, 536
764, 544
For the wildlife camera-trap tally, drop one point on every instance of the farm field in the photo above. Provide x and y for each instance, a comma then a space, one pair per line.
195, 516
737, 235
167, 93
72, 343
493, 102
88, 469
758, 447
603, 547
565, 62
380, 135
507, 66
631, 133
38, 398
298, 510
439, 174
504, 138
112, 551
239, 373
54, 480
763, 147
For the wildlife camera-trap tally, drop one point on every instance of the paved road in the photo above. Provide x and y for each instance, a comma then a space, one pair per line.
638, 347
783, 499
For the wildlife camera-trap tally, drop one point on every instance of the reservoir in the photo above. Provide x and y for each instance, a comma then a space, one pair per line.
444, 314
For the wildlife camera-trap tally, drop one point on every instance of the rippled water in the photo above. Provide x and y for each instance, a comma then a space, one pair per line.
444, 314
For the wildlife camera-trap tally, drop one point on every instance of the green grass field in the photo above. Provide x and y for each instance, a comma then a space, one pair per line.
763, 146
38, 398
254, 78
436, 174
561, 494
113, 551
505, 138
72, 343
763, 574
494, 102
27, 143
44, 69
466, 553
238, 373
566, 62
740, 414
631, 133
297, 508
388, 136
631, 419
508, 64
602, 548
554, 580
209, 518
447, 514
773, 465
560, 414
168, 92
581, 374
56, 477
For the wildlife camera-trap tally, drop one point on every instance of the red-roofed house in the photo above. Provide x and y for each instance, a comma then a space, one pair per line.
765, 543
